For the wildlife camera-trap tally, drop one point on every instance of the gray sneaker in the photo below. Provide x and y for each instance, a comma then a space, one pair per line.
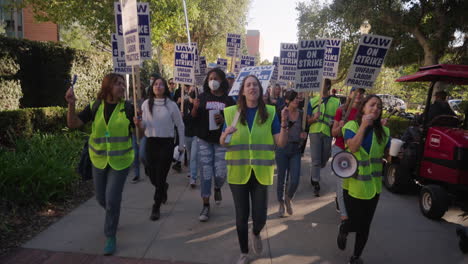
257, 246
205, 213
288, 203
281, 209
243, 259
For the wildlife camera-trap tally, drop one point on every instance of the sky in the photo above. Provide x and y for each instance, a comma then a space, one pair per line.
277, 22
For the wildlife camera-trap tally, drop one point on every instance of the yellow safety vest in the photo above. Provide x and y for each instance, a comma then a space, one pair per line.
250, 149
111, 143
328, 110
368, 181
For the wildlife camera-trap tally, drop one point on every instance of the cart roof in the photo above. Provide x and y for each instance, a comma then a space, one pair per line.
456, 74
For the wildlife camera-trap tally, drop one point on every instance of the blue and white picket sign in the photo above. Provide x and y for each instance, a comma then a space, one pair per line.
237, 67
144, 32
311, 54
222, 63
263, 74
130, 32
367, 61
233, 44
332, 59
247, 61
183, 64
118, 57
200, 78
287, 62
197, 59
274, 78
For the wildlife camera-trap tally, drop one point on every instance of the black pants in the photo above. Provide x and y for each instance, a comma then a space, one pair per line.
242, 194
360, 213
159, 158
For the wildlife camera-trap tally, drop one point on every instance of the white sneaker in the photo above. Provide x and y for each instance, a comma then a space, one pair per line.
288, 203
257, 246
193, 183
281, 209
243, 259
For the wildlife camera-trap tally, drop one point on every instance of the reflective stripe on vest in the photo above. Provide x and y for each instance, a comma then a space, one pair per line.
111, 152
110, 139
250, 150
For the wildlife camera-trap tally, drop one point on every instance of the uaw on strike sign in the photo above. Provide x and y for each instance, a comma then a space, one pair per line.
184, 72
310, 60
367, 61
130, 32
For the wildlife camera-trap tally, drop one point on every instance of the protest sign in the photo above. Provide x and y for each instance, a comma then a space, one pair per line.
263, 74
274, 77
310, 55
222, 64
233, 44
118, 57
200, 78
367, 61
287, 62
332, 59
130, 32
247, 61
144, 31
183, 64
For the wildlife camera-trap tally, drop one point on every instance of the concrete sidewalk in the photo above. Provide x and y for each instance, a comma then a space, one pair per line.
399, 234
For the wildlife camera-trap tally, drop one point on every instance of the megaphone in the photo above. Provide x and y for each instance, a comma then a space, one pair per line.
344, 164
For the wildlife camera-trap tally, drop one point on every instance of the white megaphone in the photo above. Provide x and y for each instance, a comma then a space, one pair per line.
344, 164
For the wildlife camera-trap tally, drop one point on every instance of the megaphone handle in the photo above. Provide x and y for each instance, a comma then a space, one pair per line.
227, 140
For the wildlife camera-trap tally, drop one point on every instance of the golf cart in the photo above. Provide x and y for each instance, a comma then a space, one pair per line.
434, 155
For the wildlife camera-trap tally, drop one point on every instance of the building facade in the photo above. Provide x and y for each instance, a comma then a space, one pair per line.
254, 42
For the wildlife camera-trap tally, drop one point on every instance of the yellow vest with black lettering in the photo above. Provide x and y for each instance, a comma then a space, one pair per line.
368, 181
111, 143
328, 110
250, 149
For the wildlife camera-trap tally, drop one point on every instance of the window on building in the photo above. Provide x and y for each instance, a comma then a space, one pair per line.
11, 18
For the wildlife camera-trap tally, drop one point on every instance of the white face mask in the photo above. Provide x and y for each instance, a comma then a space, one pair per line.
214, 85
150, 82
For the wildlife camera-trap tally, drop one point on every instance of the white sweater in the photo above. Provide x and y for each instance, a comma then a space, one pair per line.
161, 123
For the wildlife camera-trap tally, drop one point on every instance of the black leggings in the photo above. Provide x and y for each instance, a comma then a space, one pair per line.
158, 159
360, 213
242, 194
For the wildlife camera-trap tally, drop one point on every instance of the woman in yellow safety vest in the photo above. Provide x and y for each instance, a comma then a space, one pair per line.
368, 140
110, 147
250, 158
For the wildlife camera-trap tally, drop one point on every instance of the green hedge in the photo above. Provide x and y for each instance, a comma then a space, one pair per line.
34, 74
40, 169
398, 126
23, 123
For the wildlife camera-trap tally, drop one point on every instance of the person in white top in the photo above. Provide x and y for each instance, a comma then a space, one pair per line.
160, 115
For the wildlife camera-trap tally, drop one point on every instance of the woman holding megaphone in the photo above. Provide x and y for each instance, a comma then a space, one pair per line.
368, 141
250, 158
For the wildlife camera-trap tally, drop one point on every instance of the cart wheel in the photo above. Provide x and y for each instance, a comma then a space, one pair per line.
433, 201
395, 178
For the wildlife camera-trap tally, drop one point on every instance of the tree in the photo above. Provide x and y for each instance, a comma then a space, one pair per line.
423, 31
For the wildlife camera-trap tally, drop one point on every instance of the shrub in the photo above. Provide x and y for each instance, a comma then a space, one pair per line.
38, 72
398, 126
40, 169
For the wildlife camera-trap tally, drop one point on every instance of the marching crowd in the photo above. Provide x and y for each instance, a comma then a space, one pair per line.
235, 139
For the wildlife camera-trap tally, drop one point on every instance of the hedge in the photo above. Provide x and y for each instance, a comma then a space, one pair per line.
35, 74
21, 123
398, 126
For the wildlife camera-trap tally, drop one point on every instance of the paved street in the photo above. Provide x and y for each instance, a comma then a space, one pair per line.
399, 234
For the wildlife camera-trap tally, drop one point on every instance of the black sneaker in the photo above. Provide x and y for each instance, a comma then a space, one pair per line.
355, 260
164, 198
136, 179
205, 213
155, 214
177, 167
217, 196
342, 235
316, 188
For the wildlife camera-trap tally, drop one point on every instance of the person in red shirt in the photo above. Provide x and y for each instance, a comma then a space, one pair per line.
339, 140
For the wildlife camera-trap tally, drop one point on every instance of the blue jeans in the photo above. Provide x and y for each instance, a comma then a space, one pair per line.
339, 186
288, 159
320, 151
142, 150
108, 185
212, 163
192, 148
136, 162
